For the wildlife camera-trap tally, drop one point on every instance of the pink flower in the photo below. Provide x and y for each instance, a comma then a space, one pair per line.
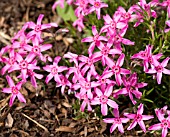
63, 83
167, 23
88, 63
97, 5
23, 65
116, 69
111, 24
58, 2
14, 90
79, 23
131, 87
164, 123
147, 57
86, 102
105, 51
103, 99
86, 85
54, 70
138, 118
9, 62
82, 7
96, 40
117, 121
37, 49
159, 68
38, 28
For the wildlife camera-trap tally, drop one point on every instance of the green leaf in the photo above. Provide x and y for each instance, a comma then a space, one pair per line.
67, 13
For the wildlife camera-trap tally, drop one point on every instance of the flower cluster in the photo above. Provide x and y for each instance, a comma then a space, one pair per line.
102, 76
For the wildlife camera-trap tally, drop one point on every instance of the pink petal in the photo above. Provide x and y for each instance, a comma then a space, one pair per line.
104, 109
142, 125
112, 103
120, 60
21, 97
120, 128
109, 120
98, 92
10, 81
165, 62
155, 127
118, 79
140, 109
83, 105
113, 127
40, 19
159, 77
46, 47
94, 30
6, 90
164, 130
132, 125
12, 100
147, 117
48, 78
87, 39
166, 71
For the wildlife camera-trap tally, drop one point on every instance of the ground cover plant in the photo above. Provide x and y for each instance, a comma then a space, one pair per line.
117, 68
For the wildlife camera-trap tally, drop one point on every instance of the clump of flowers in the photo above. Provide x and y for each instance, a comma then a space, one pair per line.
107, 73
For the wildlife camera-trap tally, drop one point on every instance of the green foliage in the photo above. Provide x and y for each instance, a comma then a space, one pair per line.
67, 13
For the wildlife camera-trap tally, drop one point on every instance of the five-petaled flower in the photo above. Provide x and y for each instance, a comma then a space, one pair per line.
117, 121
14, 90
164, 123
138, 118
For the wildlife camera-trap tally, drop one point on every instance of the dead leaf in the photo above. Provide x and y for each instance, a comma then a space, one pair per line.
9, 121
103, 124
67, 105
29, 86
65, 129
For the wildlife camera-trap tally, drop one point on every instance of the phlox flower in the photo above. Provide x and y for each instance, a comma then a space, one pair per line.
117, 39
37, 49
87, 63
105, 51
38, 28
82, 7
96, 6
104, 81
79, 23
164, 123
58, 2
117, 121
54, 70
96, 40
159, 68
63, 82
116, 69
138, 118
145, 7
86, 85
32, 75
86, 101
102, 98
131, 87
147, 57
111, 24
9, 62
23, 65
14, 90
126, 16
